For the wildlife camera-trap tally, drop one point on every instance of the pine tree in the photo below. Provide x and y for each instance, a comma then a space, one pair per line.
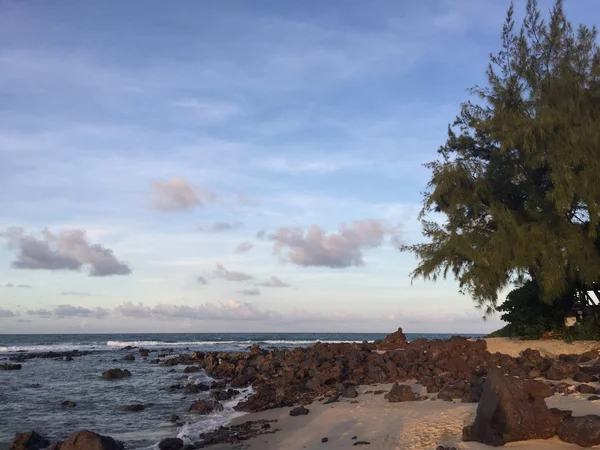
518, 180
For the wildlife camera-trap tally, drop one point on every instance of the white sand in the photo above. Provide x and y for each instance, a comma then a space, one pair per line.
552, 348
419, 425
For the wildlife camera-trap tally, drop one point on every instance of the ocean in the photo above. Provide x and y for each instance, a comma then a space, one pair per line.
30, 398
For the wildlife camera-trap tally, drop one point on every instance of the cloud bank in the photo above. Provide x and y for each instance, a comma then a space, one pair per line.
67, 250
274, 282
69, 311
318, 248
244, 247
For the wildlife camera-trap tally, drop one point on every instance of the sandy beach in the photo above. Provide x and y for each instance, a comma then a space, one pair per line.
419, 425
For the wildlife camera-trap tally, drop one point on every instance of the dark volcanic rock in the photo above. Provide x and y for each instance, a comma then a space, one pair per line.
583, 377
192, 369
350, 392
68, 404
560, 370
197, 387
393, 341
115, 374
29, 441
129, 357
144, 352
134, 408
56, 355
583, 431
400, 393
174, 418
223, 395
170, 444
332, 399
206, 406
585, 389
299, 411
511, 409
236, 433
88, 440
7, 366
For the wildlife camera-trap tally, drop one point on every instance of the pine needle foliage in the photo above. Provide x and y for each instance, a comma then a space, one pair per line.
518, 179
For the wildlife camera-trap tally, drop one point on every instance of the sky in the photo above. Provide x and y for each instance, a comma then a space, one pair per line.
230, 166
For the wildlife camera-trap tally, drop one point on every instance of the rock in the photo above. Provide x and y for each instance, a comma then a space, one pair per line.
195, 388
144, 352
29, 441
206, 406
192, 369
585, 389
510, 410
350, 392
400, 393
174, 418
134, 408
68, 358
299, 411
361, 443
560, 370
453, 390
68, 404
8, 366
583, 431
334, 398
115, 374
591, 398
325, 440
129, 357
170, 444
583, 377
393, 341
223, 395
88, 440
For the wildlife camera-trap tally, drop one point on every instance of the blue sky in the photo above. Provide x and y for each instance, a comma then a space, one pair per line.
160, 164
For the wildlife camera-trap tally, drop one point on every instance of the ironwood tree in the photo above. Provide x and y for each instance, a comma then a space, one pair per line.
514, 195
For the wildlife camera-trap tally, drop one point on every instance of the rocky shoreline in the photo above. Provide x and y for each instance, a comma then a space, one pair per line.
510, 391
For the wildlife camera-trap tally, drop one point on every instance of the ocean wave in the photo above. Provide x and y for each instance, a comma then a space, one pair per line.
62, 347
122, 344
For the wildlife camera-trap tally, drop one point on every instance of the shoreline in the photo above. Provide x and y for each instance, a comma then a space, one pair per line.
415, 425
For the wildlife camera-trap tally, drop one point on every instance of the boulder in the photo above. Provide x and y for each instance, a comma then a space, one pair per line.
350, 392
583, 431
144, 352
583, 377
192, 369
29, 441
134, 408
393, 341
299, 411
400, 393
170, 444
68, 404
222, 395
129, 357
8, 366
88, 440
206, 406
115, 374
510, 410
585, 389
561, 370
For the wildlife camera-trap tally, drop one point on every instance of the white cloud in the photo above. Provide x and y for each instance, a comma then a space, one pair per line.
218, 227
70, 311
244, 247
315, 247
230, 310
5, 313
274, 282
249, 291
178, 195
230, 275
67, 250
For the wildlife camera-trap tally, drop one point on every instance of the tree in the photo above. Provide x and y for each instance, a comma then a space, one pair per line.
517, 182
